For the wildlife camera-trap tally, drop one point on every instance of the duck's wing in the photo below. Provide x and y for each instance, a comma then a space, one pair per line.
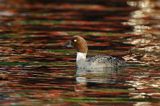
108, 60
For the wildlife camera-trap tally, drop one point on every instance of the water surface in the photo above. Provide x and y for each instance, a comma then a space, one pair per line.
36, 68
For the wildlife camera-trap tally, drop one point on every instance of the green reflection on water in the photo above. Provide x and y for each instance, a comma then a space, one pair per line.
37, 22
109, 100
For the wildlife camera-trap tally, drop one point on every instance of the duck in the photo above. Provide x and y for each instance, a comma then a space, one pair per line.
98, 61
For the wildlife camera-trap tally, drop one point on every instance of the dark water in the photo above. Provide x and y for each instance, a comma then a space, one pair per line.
36, 68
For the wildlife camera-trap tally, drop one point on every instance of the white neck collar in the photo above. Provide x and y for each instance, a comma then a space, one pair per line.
81, 56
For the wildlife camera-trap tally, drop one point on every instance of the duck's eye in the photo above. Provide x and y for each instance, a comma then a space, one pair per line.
75, 40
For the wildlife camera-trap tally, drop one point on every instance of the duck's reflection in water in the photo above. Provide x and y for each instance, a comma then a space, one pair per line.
96, 75
103, 76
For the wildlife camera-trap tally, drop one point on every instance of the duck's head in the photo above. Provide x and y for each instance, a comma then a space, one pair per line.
79, 43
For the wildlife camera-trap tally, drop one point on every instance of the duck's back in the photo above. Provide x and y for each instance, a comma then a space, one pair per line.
105, 61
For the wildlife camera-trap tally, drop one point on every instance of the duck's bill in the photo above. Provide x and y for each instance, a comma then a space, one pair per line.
69, 44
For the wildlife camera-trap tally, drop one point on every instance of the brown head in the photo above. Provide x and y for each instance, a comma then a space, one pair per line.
79, 44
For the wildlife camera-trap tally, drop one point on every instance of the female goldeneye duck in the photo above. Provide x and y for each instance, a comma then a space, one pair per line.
98, 61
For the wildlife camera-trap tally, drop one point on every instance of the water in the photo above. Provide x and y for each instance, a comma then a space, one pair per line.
36, 68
